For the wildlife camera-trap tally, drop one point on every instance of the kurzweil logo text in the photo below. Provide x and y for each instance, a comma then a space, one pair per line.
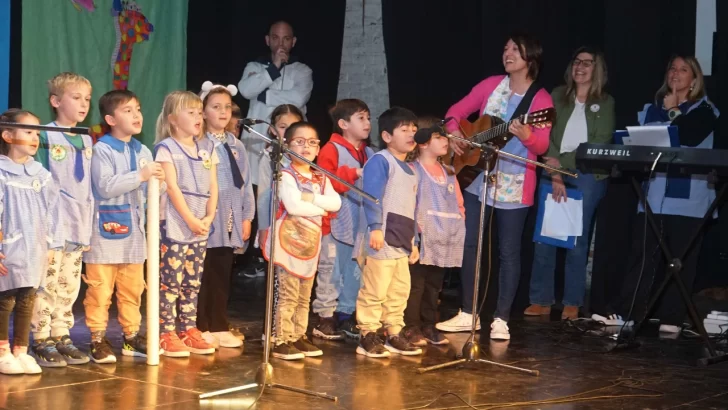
610, 152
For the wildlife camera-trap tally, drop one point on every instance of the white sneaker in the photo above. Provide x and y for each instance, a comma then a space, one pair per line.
612, 320
670, 329
9, 364
499, 330
30, 366
226, 339
210, 339
462, 322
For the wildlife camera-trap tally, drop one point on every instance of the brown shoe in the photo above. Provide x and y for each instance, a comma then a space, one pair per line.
537, 310
570, 313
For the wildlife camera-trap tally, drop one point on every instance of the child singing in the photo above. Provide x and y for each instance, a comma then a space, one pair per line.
235, 211
187, 210
120, 169
68, 158
306, 197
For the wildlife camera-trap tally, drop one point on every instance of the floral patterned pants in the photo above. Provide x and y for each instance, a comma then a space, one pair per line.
180, 273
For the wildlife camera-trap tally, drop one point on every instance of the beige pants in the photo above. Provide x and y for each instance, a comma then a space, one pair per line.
294, 298
129, 282
385, 288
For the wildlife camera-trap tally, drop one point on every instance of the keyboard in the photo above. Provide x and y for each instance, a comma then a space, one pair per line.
686, 161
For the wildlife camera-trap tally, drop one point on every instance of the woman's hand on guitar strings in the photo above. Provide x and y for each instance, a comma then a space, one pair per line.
521, 131
458, 146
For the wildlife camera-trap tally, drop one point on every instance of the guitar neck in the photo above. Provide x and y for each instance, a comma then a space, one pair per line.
489, 134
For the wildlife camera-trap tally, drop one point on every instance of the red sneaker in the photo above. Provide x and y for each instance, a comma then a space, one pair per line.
172, 346
192, 338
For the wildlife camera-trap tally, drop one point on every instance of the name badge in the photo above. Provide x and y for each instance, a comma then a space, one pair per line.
58, 152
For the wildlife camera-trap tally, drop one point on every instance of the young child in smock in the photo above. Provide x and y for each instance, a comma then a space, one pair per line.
28, 198
120, 169
386, 238
68, 158
187, 209
440, 217
306, 196
232, 223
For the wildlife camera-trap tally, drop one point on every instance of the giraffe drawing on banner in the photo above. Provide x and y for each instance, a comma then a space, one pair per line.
132, 27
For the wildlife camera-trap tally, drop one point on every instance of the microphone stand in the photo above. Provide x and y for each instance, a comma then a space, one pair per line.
68, 130
264, 375
471, 349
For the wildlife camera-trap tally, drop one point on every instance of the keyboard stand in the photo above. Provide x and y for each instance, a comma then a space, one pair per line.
674, 266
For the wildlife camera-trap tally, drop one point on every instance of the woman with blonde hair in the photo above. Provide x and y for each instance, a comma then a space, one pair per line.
679, 202
585, 113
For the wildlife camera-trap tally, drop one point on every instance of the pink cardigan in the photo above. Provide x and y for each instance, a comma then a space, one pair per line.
537, 144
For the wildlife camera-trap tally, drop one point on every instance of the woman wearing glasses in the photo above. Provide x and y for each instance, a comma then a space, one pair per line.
585, 114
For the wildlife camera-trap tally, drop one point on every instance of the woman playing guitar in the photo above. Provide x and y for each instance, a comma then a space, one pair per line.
501, 96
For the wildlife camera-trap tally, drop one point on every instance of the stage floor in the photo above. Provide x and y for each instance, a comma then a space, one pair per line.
573, 365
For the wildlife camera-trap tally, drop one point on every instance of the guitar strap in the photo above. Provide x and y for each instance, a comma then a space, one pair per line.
526, 101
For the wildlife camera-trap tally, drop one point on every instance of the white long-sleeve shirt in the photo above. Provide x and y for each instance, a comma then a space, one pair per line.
267, 87
290, 195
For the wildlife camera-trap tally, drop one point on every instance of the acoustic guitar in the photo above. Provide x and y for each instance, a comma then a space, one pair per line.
494, 131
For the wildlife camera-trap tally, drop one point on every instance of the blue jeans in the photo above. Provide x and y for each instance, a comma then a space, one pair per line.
338, 281
509, 223
544, 258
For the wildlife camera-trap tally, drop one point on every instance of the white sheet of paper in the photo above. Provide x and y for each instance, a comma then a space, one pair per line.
561, 220
649, 135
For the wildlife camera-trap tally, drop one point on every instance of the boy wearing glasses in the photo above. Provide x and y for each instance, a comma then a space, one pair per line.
306, 196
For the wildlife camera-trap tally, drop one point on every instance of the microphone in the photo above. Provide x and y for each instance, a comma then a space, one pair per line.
249, 122
69, 130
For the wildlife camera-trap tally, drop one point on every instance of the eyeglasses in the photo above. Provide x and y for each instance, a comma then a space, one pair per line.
585, 63
301, 142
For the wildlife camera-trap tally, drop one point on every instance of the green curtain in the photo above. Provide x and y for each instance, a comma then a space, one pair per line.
62, 35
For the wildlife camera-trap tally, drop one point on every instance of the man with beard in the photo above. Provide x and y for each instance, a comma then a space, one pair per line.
270, 81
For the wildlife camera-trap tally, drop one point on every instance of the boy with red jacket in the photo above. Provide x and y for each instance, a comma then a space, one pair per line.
339, 275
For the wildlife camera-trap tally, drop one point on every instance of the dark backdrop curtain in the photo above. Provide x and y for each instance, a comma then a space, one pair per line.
224, 35
16, 29
437, 51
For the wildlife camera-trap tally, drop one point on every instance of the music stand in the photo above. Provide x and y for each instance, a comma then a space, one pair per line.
471, 349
